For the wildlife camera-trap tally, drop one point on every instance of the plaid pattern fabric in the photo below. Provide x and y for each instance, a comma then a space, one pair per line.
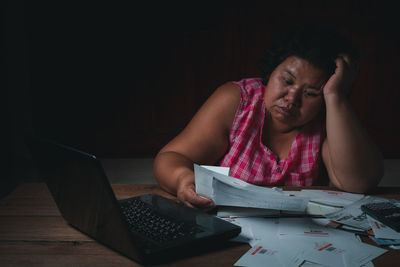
251, 161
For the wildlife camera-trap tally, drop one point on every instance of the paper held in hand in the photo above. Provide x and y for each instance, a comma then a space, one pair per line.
230, 191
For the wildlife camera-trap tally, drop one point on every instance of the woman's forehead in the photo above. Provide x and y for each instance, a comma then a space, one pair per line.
301, 69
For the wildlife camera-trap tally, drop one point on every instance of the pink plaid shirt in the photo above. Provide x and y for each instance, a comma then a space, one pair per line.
251, 161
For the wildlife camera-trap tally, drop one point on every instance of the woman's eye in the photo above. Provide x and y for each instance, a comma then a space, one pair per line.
310, 93
287, 81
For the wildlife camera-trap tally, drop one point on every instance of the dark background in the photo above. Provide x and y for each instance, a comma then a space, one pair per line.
121, 78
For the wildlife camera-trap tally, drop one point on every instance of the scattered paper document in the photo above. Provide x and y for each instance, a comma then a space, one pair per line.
353, 215
362, 254
312, 264
271, 253
326, 253
334, 252
229, 191
330, 197
260, 255
330, 247
301, 227
381, 230
260, 228
336, 248
368, 264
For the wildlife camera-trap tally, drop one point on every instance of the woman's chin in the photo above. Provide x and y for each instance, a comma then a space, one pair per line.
281, 117
285, 121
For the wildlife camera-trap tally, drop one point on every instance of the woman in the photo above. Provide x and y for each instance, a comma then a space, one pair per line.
283, 129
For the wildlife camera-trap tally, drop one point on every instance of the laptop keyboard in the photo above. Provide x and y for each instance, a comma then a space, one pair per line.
157, 227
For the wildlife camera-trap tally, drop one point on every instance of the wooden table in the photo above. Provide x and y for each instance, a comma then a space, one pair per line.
32, 233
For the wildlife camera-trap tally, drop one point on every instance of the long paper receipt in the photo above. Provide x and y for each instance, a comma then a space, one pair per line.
229, 191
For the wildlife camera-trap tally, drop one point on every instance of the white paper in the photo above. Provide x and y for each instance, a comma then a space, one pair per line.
314, 208
342, 249
262, 228
330, 247
330, 197
310, 264
368, 264
271, 253
229, 191
362, 254
353, 215
218, 169
381, 230
326, 253
260, 255
301, 227
336, 252
335, 248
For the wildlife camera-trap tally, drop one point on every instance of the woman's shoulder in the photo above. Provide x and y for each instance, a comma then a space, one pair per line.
235, 93
249, 82
250, 86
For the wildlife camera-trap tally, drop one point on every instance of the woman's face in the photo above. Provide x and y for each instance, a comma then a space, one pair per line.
293, 95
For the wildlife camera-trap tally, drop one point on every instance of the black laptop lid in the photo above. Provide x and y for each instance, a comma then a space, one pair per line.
83, 195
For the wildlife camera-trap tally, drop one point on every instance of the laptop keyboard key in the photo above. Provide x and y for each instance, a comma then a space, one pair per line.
157, 227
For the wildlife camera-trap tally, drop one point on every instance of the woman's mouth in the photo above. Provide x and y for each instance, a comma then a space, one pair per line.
284, 111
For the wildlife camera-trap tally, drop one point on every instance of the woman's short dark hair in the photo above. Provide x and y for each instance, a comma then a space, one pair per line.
319, 46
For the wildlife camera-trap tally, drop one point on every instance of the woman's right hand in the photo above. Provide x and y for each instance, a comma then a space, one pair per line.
187, 195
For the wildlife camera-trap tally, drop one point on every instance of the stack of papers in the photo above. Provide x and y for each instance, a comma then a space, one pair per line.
331, 198
226, 190
294, 241
281, 226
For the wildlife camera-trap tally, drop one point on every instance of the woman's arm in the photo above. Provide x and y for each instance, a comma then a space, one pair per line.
353, 161
203, 141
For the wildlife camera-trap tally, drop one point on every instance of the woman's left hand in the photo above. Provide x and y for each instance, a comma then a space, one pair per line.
340, 83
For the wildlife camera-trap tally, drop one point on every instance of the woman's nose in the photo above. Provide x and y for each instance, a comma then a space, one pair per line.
293, 96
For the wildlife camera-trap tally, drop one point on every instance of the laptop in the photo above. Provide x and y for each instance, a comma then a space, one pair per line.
147, 228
